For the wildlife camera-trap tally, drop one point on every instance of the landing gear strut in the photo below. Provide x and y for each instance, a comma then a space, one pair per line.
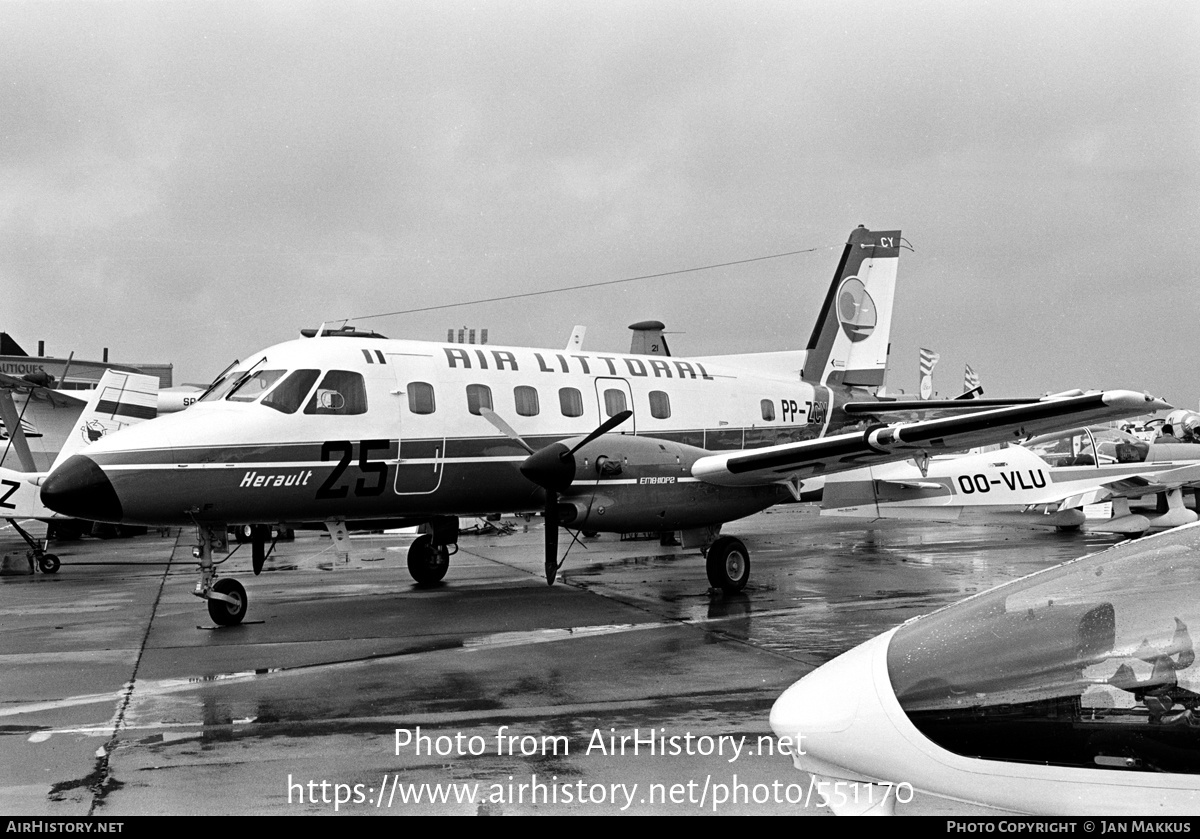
47, 563
226, 598
728, 564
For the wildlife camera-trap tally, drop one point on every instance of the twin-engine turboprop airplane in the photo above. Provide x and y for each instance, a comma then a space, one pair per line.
1049, 481
347, 427
1073, 691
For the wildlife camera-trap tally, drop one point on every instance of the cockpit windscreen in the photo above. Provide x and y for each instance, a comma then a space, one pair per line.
1088, 664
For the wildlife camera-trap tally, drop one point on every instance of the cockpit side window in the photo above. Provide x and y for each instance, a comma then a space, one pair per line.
254, 386
289, 396
341, 392
1066, 448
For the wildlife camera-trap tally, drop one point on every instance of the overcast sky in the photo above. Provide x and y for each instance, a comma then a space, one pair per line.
189, 182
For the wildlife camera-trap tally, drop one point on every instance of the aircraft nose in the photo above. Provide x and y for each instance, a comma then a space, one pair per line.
80, 489
834, 716
819, 703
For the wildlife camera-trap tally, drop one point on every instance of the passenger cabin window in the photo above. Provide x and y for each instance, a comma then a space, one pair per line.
289, 396
660, 404
527, 400
478, 396
420, 398
570, 402
614, 402
252, 387
341, 393
768, 410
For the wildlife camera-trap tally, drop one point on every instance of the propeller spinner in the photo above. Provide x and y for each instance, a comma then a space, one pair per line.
553, 469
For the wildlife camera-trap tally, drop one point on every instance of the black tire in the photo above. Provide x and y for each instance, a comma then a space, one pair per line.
427, 564
243, 533
49, 564
228, 614
728, 564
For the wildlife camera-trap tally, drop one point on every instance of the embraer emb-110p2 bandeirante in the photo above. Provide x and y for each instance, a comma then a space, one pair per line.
362, 429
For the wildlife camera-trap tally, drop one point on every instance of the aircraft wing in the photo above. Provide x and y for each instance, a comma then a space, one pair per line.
1134, 486
930, 407
57, 398
901, 441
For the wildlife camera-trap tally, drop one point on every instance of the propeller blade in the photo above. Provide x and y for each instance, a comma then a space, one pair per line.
258, 549
551, 519
608, 425
553, 469
504, 428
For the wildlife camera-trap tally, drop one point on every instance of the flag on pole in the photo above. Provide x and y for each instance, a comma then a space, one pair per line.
928, 360
970, 379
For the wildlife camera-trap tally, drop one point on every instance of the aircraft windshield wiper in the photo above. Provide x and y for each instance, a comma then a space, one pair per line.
245, 377
220, 378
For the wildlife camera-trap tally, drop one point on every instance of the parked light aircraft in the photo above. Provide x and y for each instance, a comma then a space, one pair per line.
1047, 481
118, 401
1073, 691
351, 428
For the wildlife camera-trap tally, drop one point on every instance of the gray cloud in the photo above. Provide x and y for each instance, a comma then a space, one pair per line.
191, 181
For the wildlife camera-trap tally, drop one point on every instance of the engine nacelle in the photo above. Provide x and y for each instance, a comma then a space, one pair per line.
624, 483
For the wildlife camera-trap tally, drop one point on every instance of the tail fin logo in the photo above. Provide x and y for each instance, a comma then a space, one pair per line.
93, 430
856, 310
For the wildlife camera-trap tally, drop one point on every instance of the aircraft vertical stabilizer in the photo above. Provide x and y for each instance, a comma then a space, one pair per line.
849, 345
575, 342
10, 347
120, 399
648, 338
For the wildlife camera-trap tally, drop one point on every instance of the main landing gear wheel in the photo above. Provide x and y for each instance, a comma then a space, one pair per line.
48, 563
427, 563
728, 564
228, 614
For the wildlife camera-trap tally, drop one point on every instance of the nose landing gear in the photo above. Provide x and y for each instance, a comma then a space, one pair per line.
226, 597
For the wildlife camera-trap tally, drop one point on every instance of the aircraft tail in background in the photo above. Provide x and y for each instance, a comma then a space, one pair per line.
120, 399
849, 344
